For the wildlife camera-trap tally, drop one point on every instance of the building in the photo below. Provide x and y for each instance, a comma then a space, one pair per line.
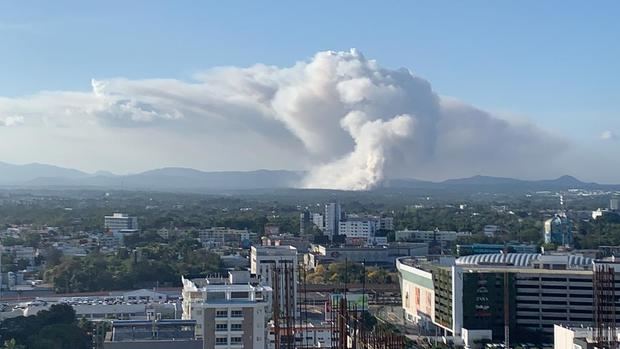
490, 230
229, 312
272, 229
364, 227
466, 297
598, 213
373, 255
361, 228
152, 334
304, 222
333, 213
558, 231
308, 334
578, 337
222, 236
614, 204
386, 223
301, 243
108, 241
277, 267
417, 294
119, 222
98, 308
318, 221
466, 250
429, 235
20, 252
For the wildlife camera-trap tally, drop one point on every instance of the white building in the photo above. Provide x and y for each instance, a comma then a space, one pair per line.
222, 236
229, 312
102, 307
363, 228
333, 214
429, 235
265, 260
317, 220
614, 204
566, 337
308, 335
118, 222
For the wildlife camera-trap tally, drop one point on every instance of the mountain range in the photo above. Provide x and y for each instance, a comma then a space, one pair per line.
187, 179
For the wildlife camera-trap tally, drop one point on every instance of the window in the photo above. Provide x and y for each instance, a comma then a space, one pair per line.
221, 313
221, 341
235, 327
221, 327
239, 295
235, 340
213, 296
236, 313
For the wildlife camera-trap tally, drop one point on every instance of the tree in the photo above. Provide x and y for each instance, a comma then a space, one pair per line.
55, 328
52, 256
12, 344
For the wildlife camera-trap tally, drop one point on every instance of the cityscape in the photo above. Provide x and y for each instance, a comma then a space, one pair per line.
307, 175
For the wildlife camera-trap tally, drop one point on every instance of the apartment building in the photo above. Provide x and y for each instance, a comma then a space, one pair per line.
267, 262
230, 312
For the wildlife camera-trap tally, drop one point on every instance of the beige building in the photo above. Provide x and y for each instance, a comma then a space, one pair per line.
418, 294
229, 312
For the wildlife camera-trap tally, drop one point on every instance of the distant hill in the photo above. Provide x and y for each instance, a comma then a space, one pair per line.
14, 174
187, 179
171, 178
501, 184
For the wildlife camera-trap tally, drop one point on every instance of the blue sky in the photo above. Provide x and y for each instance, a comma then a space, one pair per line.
556, 63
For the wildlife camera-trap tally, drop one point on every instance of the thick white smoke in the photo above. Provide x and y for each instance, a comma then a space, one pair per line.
350, 121
364, 167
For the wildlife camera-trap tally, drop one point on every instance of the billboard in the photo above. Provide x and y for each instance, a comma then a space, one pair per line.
354, 300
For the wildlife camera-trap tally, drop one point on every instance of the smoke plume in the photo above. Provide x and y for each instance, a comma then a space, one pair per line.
351, 122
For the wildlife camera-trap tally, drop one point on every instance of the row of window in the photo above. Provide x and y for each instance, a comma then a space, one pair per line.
224, 327
224, 313
224, 340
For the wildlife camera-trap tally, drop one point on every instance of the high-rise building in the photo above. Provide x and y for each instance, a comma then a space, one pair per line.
558, 231
318, 221
229, 312
333, 214
277, 267
614, 204
304, 222
119, 222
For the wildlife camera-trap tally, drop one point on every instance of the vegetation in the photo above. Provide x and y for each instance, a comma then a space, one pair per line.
350, 273
56, 328
146, 266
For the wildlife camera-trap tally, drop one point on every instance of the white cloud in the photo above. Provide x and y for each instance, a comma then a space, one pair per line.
13, 120
609, 136
349, 121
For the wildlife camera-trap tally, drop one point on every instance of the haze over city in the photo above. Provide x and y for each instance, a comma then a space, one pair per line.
426, 90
